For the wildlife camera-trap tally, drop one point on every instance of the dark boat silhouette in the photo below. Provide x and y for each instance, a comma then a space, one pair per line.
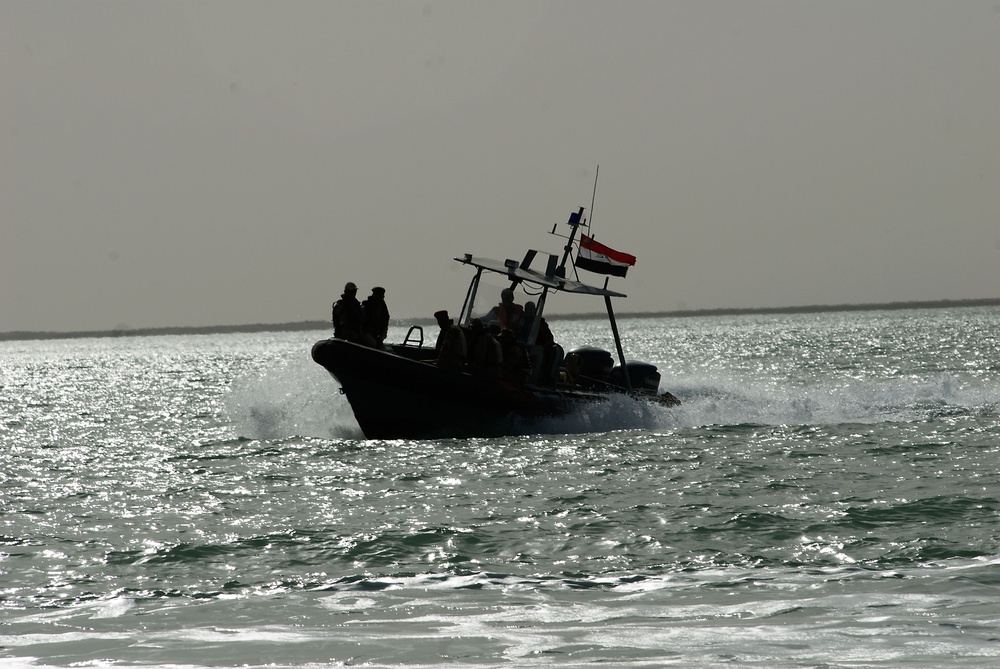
400, 393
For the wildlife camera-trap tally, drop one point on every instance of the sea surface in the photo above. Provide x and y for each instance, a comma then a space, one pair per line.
827, 495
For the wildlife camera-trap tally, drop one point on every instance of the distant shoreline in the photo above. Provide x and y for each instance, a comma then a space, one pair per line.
321, 325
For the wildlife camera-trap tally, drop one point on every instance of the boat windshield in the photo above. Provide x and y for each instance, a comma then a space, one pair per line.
489, 298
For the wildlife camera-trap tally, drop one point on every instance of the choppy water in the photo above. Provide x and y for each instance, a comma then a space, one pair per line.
827, 496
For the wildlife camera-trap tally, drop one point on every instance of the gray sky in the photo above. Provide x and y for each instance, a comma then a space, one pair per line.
218, 163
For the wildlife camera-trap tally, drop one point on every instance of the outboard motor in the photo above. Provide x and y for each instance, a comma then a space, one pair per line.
592, 367
642, 375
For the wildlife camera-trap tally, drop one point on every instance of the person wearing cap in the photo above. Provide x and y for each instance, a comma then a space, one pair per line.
450, 347
375, 318
347, 315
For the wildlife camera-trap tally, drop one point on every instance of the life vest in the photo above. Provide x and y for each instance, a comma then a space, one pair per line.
509, 318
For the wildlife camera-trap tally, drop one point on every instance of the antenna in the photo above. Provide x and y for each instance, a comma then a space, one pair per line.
576, 220
593, 197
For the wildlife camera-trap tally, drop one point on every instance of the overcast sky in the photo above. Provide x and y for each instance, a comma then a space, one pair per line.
218, 163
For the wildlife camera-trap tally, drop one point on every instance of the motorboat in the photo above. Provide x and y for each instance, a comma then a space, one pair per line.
399, 391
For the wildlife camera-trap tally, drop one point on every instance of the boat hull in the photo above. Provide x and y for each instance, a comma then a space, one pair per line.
400, 397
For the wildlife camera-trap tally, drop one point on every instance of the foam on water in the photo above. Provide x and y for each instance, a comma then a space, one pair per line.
299, 398
295, 397
721, 401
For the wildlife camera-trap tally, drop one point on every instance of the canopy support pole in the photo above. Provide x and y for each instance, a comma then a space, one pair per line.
470, 298
618, 342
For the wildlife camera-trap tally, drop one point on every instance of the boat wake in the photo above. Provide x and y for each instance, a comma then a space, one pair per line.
294, 399
731, 402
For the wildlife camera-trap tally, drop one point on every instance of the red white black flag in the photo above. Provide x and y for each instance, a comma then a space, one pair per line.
596, 257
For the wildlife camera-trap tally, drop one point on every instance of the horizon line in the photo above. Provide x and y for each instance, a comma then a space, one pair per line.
17, 335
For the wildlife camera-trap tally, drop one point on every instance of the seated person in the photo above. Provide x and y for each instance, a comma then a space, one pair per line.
544, 337
516, 365
450, 347
507, 314
485, 354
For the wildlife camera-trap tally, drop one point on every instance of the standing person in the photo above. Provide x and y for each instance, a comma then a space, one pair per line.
375, 317
451, 349
347, 315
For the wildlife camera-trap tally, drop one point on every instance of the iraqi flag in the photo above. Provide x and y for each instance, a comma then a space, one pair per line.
596, 257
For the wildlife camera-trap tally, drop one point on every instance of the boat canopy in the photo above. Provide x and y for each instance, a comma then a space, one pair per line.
551, 279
